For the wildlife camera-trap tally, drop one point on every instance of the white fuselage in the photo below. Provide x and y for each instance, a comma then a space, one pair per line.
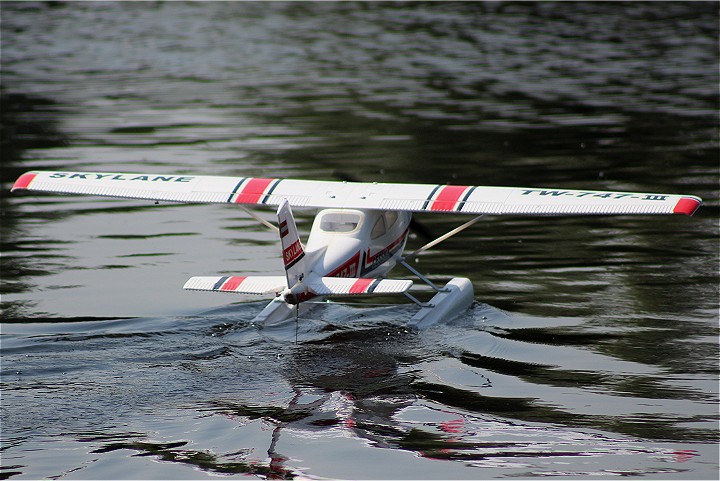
356, 243
345, 243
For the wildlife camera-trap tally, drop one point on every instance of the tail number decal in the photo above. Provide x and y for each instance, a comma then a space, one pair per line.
292, 254
602, 195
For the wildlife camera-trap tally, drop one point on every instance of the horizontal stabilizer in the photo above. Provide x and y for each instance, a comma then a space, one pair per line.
261, 285
325, 286
344, 286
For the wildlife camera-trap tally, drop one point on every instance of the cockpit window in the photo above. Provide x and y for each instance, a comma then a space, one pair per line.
378, 228
390, 217
339, 222
383, 224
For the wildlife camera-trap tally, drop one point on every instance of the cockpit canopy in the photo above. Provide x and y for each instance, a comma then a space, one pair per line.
340, 222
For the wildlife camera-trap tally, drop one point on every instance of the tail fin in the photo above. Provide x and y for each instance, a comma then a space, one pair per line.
293, 250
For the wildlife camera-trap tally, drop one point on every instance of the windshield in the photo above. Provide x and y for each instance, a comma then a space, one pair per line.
339, 222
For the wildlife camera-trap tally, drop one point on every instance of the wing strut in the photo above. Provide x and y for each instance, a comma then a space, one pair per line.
442, 238
259, 219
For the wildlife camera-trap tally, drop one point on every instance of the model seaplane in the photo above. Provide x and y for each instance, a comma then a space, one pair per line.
360, 232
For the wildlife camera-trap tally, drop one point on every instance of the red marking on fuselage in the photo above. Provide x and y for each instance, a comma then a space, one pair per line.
369, 259
24, 181
253, 191
233, 283
347, 269
687, 206
448, 197
360, 286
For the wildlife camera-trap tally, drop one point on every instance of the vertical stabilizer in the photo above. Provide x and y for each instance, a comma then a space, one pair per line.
293, 250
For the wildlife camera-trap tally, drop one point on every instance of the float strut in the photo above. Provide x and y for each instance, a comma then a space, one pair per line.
433, 244
422, 277
416, 301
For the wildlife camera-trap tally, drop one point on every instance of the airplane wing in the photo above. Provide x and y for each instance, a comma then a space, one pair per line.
454, 199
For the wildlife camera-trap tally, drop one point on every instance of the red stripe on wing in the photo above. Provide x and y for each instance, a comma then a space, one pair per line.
233, 283
448, 197
24, 181
360, 286
253, 191
687, 206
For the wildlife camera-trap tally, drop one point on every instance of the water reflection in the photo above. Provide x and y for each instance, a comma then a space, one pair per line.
456, 393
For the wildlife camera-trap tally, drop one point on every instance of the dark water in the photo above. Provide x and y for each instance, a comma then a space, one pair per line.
592, 350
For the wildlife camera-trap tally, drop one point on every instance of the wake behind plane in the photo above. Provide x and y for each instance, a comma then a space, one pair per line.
359, 233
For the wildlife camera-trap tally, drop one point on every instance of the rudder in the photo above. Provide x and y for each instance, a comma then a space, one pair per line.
292, 249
